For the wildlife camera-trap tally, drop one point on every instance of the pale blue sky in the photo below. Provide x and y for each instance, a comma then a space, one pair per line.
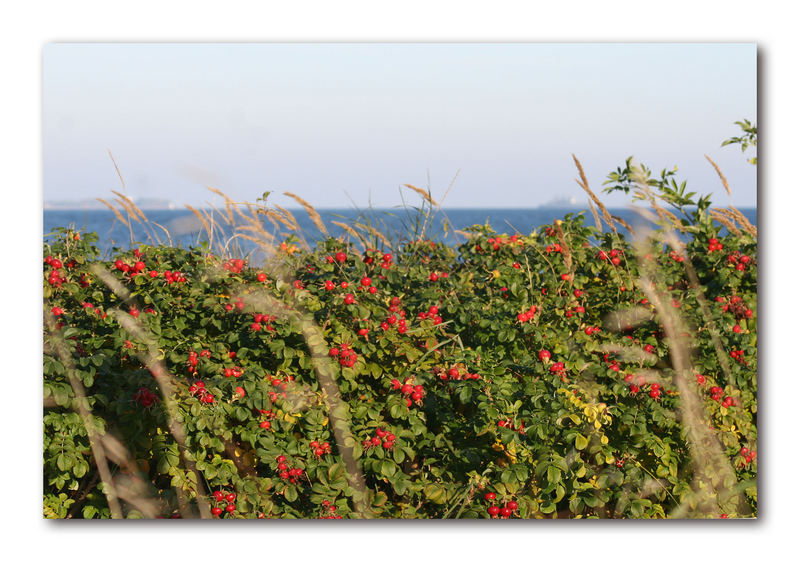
341, 122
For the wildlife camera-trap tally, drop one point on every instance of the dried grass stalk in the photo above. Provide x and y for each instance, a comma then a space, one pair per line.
352, 232
624, 224
228, 203
131, 204
121, 180
742, 220
376, 233
277, 217
130, 212
597, 221
425, 195
721, 177
585, 186
202, 220
724, 221
290, 217
311, 211
115, 211
82, 405
169, 237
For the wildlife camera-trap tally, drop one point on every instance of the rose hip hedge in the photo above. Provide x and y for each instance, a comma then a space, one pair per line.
510, 377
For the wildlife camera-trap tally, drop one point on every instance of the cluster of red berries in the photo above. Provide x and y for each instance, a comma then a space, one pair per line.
509, 424
171, 276
496, 511
371, 255
639, 380
234, 265
236, 303
144, 397
366, 285
286, 473
382, 438
193, 359
413, 393
701, 379
320, 448
431, 314
589, 330
749, 456
279, 386
554, 248
676, 256
267, 423
612, 363
396, 318
739, 261
327, 510
714, 245
221, 497
97, 311
347, 356
716, 395
56, 277
614, 256
496, 242
198, 389
738, 355
454, 374
259, 320
528, 315
655, 391
138, 267
234, 372
558, 368
570, 312
736, 306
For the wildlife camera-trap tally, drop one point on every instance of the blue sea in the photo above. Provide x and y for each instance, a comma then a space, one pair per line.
186, 231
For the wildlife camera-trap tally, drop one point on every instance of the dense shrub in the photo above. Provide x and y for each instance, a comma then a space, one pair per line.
520, 376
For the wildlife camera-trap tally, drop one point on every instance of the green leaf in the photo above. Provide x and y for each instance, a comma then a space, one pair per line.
388, 468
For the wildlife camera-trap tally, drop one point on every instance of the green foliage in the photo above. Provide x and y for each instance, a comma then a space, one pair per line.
747, 139
463, 327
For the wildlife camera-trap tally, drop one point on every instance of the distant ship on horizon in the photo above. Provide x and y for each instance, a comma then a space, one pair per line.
562, 203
